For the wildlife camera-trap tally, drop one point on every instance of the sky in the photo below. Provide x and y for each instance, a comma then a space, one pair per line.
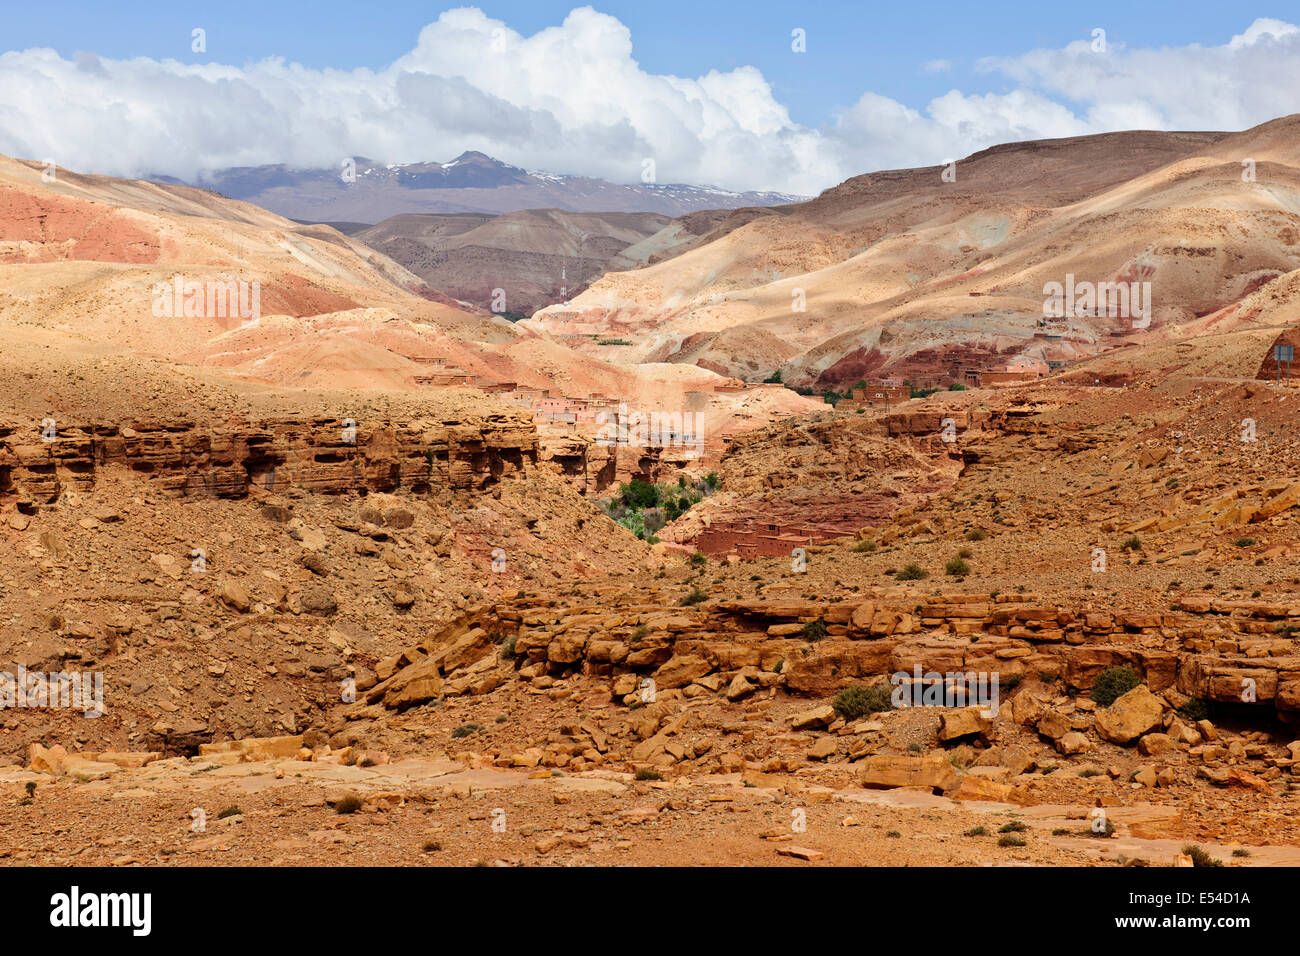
793, 97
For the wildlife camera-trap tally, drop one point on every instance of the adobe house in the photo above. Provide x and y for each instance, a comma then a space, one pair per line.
445, 377
875, 396
425, 358
1269, 369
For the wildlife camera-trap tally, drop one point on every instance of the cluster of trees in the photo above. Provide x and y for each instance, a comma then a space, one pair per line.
643, 508
832, 397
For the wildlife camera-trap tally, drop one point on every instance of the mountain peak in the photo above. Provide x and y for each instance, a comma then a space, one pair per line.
474, 156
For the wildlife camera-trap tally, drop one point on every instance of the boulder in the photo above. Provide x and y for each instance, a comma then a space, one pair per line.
1073, 742
964, 722
1053, 725
824, 748
930, 772
234, 596
318, 601
1136, 713
680, 670
974, 787
1153, 745
740, 687
822, 716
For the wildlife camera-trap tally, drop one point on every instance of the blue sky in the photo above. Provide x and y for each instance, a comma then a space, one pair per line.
711, 92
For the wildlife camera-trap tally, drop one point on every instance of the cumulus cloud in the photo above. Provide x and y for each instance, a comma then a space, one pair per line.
571, 98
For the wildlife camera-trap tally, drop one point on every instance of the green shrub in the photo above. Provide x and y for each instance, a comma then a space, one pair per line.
976, 534
1132, 544
1194, 710
464, 730
230, 811
695, 597
1199, 856
814, 630
1113, 683
865, 547
639, 494
912, 572
646, 773
975, 831
1015, 826
1107, 829
349, 803
1010, 839
957, 567
854, 703
1244, 542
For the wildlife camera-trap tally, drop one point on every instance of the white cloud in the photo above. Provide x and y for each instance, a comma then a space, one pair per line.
571, 98
1253, 78
937, 66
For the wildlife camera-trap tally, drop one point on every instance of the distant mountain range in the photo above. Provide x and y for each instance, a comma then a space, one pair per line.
368, 192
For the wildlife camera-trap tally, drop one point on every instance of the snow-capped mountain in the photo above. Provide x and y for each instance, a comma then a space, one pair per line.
364, 191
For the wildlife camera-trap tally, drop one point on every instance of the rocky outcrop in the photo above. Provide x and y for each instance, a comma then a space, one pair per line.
326, 455
591, 467
814, 649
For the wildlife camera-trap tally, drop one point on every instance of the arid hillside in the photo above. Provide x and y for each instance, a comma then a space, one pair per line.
147, 271
517, 262
922, 273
